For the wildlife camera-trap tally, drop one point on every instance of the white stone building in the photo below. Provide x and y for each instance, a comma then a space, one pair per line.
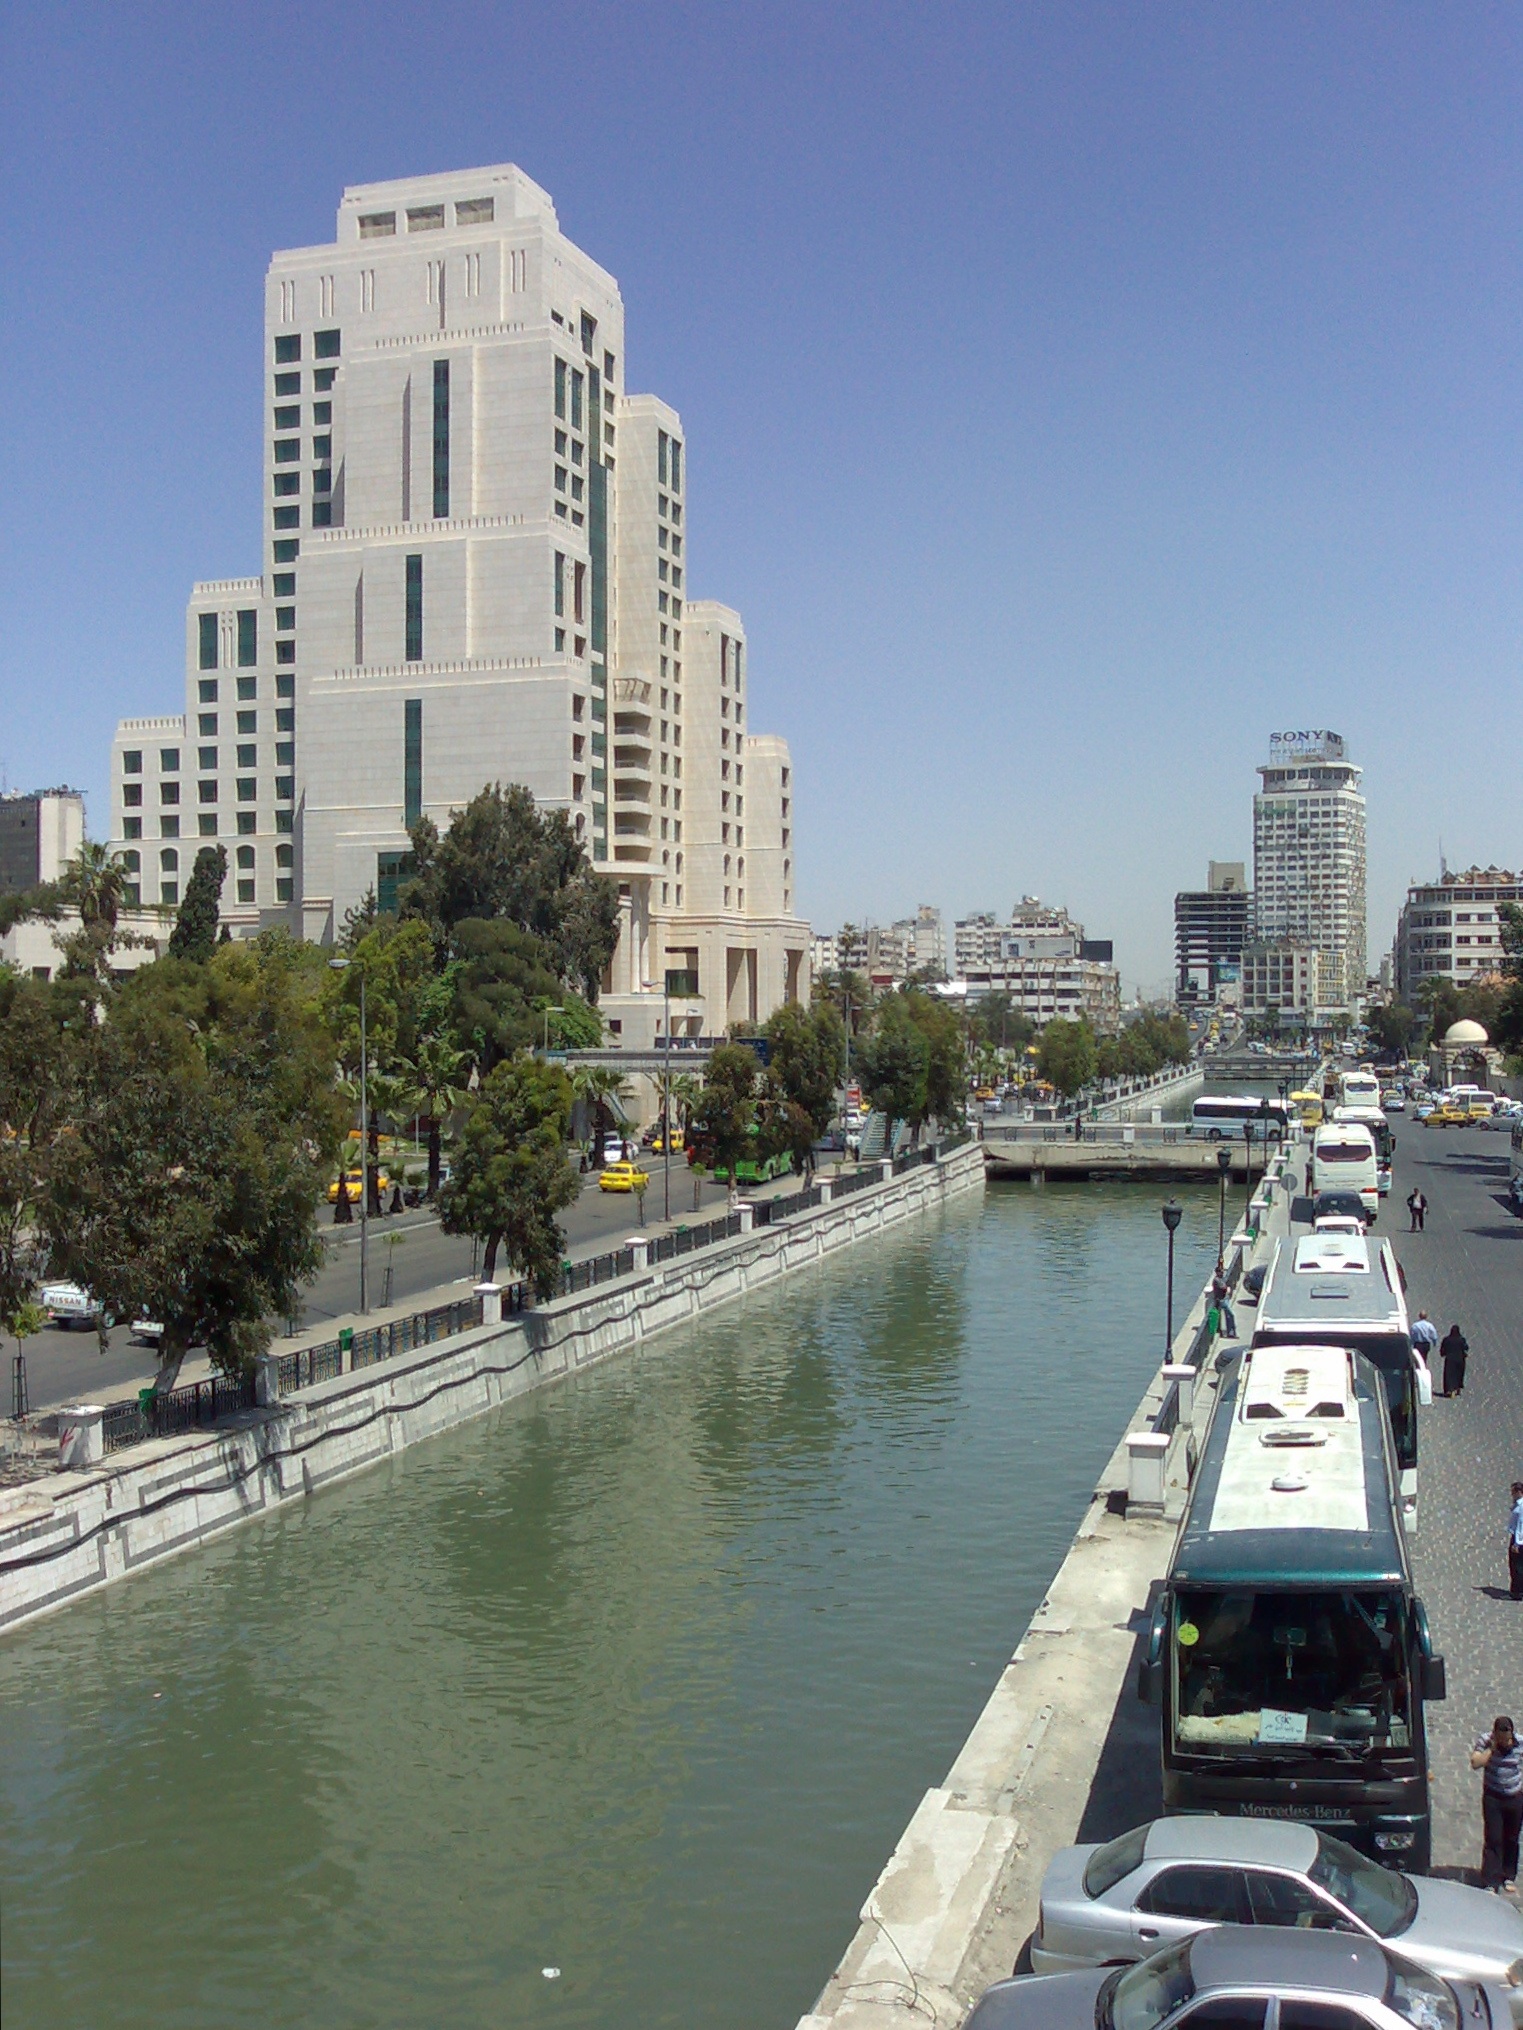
1309, 860
39, 835
1451, 928
475, 558
1043, 961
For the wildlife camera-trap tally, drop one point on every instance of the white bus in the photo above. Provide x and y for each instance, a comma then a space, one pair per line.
1218, 1117
1359, 1089
1374, 1119
1343, 1159
1515, 1166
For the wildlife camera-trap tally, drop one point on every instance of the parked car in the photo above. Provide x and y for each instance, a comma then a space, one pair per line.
355, 1179
1423, 1110
1338, 1223
623, 1177
68, 1305
1251, 1287
1229, 1976
1393, 1102
1163, 1881
1348, 1204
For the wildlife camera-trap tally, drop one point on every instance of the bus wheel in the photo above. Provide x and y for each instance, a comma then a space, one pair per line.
1213, 1134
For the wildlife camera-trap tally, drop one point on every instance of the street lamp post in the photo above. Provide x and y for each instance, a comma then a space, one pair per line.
1263, 1139
1247, 1169
338, 966
1223, 1166
666, 1095
1173, 1213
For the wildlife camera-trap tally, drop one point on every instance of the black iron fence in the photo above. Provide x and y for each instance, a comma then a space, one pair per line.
179, 1410
203, 1402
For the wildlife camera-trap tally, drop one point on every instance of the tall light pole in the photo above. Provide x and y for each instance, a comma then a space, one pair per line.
1173, 1213
1223, 1165
666, 1094
338, 966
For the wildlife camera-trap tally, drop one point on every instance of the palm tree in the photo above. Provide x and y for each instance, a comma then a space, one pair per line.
598, 1084
95, 883
440, 1075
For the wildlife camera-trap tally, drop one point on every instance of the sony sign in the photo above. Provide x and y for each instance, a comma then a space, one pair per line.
1316, 745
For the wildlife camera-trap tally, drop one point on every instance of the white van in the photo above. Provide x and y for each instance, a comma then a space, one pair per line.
1343, 1159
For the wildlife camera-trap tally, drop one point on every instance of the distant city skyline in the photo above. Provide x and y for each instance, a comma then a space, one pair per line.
1079, 396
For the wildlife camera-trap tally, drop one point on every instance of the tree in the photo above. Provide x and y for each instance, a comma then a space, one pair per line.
439, 1074
997, 1021
1391, 1028
511, 1175
946, 1068
806, 1061
893, 1063
1066, 1055
95, 883
504, 977
195, 933
202, 1134
727, 1107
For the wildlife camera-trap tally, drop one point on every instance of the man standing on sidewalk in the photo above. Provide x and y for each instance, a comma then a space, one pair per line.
1499, 1755
1515, 1543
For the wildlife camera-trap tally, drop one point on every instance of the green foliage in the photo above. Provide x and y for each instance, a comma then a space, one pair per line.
596, 1085
1066, 1055
807, 1057
504, 977
996, 1021
727, 1105
396, 963
1147, 1045
894, 1062
511, 1175
503, 858
203, 1126
573, 1025
1391, 1027
195, 933
848, 993
946, 1067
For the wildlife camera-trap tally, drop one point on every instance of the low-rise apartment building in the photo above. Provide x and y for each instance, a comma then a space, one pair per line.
1451, 928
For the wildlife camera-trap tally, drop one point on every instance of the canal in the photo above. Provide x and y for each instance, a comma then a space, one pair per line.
637, 1680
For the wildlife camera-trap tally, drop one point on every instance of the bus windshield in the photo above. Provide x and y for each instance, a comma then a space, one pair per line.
1324, 1672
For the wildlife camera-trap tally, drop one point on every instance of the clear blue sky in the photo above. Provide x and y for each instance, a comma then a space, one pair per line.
1075, 393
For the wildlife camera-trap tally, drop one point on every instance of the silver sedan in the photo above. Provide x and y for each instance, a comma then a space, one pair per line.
1238, 1978
1165, 1880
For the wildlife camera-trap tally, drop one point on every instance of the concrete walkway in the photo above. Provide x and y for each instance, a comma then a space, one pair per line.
1467, 1266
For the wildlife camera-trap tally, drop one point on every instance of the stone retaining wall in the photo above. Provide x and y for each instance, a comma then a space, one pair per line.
70, 1534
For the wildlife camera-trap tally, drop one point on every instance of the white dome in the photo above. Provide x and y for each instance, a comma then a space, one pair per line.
1464, 1036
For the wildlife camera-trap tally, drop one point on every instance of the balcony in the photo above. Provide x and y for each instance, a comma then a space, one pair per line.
631, 691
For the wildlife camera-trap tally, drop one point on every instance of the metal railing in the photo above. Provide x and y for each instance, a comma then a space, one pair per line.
167, 1416
307, 1365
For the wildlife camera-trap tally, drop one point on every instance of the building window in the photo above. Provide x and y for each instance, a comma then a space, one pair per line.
287, 449
560, 586
208, 625
248, 789
577, 382
169, 828
132, 761
285, 792
475, 211
412, 762
169, 891
206, 792
245, 891
286, 384
283, 856
322, 512
560, 389
245, 856
206, 726
285, 753
247, 822
414, 615
288, 349
676, 466
285, 617
425, 218
287, 518
132, 794
285, 652
286, 553
132, 828
284, 820
391, 870
662, 444
206, 824
378, 225
206, 758
285, 686
441, 438
287, 483
247, 757
324, 378
325, 345
578, 590
322, 479
285, 719
247, 686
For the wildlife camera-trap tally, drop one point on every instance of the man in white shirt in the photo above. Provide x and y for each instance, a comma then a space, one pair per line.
1515, 1542
1424, 1339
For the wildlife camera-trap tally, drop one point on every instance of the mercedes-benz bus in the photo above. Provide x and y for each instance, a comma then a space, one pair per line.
1377, 1121
1330, 1289
1288, 1651
1359, 1088
1223, 1117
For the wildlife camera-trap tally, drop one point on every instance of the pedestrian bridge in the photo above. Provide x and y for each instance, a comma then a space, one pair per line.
1111, 1149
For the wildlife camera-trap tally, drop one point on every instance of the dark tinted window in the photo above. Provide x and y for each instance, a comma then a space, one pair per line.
1280, 1899
1320, 2016
1227, 2012
1208, 1895
1107, 1864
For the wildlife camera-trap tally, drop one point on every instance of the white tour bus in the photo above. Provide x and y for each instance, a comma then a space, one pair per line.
1220, 1117
1359, 1089
1375, 1120
1343, 1158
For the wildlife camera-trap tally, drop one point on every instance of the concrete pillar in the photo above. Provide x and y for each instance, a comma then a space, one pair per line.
1146, 1452
1181, 1371
267, 1380
825, 1190
491, 1302
639, 1247
81, 1436
747, 1213
887, 1167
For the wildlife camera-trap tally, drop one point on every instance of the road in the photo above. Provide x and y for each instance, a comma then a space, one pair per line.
1467, 1266
67, 1366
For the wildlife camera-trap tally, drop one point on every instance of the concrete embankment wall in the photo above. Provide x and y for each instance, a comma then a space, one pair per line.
1062, 1751
1181, 1084
74, 1532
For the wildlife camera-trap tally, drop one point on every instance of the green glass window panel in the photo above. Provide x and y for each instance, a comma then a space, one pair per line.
560, 389
325, 345
248, 638
412, 762
288, 349
208, 628
441, 439
414, 610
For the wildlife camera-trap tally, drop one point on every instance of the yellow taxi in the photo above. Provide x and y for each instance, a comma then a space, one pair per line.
1449, 1117
623, 1177
355, 1179
658, 1147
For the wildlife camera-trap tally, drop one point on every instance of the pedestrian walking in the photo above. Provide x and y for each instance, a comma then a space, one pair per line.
1424, 1338
1500, 1756
1454, 1352
1417, 1208
1515, 1543
1225, 1319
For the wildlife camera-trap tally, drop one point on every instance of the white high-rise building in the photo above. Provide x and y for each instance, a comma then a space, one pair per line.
475, 557
1309, 859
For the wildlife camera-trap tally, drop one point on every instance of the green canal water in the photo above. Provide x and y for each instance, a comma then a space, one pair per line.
639, 1679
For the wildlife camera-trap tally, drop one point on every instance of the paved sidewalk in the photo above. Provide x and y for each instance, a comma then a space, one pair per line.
1467, 1266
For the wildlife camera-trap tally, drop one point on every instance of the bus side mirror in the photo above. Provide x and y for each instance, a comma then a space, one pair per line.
1150, 1681
1435, 1683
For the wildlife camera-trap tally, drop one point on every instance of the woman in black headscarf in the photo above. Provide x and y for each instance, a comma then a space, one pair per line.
1454, 1351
